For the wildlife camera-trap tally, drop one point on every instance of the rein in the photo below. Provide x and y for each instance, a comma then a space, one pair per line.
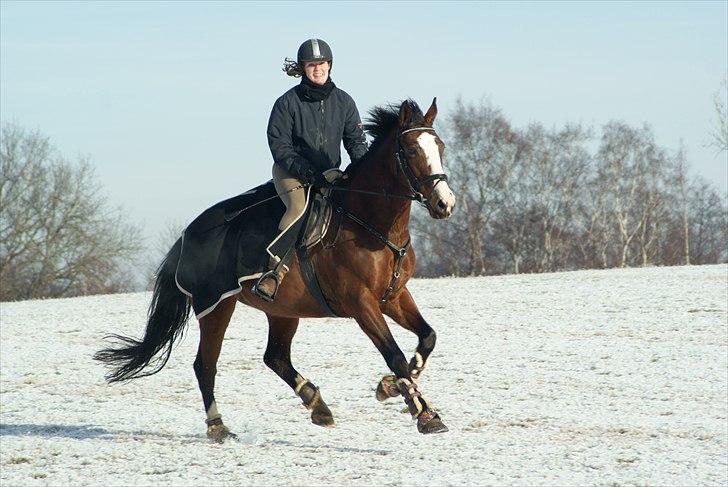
375, 193
232, 216
403, 165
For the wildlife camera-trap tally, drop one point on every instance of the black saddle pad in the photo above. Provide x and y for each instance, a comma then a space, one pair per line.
226, 245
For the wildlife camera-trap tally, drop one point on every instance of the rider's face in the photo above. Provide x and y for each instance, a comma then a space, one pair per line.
317, 72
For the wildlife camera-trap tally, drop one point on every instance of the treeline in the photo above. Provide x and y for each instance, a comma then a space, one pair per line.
58, 235
528, 200
536, 199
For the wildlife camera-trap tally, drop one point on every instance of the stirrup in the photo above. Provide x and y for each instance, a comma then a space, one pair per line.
261, 294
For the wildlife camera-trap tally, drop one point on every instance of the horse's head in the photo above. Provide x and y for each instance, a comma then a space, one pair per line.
419, 155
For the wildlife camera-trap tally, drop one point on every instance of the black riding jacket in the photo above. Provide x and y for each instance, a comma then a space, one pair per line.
304, 134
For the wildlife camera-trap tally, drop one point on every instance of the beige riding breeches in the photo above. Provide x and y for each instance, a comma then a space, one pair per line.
294, 200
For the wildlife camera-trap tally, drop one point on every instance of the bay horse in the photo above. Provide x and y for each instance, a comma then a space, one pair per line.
362, 276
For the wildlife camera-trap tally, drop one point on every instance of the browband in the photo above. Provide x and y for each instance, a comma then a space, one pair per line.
416, 128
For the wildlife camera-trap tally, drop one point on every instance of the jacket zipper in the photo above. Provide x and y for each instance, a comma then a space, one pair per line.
323, 126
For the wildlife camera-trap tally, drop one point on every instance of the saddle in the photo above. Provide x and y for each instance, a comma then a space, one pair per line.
320, 230
319, 215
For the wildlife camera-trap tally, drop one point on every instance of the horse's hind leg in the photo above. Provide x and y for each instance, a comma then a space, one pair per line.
212, 331
278, 358
370, 320
404, 311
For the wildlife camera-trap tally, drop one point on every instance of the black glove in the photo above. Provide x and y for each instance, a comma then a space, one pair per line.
308, 175
302, 171
319, 180
311, 176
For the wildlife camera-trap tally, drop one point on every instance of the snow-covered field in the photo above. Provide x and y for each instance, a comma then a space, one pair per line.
592, 377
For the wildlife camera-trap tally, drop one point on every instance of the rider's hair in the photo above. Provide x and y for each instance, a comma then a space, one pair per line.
291, 68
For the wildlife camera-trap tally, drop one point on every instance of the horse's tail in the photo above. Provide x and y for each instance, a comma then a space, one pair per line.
168, 313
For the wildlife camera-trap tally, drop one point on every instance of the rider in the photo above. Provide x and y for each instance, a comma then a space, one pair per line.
305, 131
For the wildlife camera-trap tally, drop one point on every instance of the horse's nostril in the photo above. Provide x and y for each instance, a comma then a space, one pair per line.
441, 204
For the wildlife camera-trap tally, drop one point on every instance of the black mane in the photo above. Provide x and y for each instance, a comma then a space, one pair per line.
381, 121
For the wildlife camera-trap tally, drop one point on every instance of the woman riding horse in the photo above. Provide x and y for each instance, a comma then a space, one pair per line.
362, 275
305, 131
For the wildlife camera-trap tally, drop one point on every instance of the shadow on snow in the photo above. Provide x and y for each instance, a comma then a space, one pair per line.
80, 432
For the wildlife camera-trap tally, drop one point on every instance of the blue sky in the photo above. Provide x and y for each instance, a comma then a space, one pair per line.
170, 100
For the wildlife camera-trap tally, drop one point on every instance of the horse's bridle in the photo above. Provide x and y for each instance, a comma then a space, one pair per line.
414, 183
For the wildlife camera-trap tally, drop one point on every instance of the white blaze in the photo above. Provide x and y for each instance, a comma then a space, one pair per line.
434, 163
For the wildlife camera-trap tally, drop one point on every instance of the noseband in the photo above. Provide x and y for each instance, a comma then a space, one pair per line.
414, 183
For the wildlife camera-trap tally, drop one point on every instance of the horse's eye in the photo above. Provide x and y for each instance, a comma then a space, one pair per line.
411, 152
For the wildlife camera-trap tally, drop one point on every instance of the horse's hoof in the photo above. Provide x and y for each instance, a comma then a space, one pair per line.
321, 416
387, 388
430, 422
325, 420
219, 433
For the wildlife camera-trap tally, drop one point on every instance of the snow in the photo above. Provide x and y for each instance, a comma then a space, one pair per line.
579, 378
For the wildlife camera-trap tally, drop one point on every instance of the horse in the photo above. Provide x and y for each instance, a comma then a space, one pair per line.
363, 276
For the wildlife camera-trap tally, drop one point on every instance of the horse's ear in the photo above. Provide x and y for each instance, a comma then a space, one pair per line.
405, 114
431, 113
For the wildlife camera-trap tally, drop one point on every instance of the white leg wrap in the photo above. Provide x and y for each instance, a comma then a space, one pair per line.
418, 367
212, 412
411, 391
418, 405
300, 382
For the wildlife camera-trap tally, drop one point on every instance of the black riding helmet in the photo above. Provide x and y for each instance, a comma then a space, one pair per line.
314, 50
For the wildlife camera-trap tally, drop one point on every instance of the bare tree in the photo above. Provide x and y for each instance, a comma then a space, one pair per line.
556, 162
538, 200
58, 237
480, 152
629, 164
681, 181
165, 240
593, 230
708, 224
720, 134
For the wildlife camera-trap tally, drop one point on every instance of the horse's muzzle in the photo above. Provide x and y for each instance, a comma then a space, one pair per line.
441, 202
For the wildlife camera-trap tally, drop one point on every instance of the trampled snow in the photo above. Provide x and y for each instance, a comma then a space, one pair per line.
580, 378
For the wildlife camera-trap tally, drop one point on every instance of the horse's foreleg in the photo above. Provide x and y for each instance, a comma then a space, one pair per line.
372, 321
404, 311
278, 358
212, 331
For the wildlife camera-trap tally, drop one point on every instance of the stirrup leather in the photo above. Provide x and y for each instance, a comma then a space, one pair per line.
271, 274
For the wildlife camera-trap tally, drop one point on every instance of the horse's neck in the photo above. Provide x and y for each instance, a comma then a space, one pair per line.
380, 175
